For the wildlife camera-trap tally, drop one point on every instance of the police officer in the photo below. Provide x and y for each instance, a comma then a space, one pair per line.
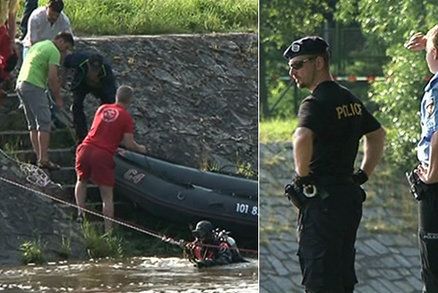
427, 170
212, 247
92, 74
331, 121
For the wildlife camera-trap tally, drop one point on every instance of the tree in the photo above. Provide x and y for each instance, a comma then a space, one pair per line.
405, 72
282, 21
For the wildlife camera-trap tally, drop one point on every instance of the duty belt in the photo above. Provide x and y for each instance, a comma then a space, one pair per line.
334, 180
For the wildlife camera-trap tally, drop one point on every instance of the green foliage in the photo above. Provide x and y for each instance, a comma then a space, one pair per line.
405, 71
32, 252
101, 245
277, 130
65, 251
282, 21
209, 166
245, 170
161, 16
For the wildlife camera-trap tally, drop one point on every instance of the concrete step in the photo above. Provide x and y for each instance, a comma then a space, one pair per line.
19, 139
93, 194
12, 120
65, 175
122, 207
62, 156
10, 103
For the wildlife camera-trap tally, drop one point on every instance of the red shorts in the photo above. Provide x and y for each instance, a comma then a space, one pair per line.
95, 164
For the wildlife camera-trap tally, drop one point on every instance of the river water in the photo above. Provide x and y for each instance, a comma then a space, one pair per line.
139, 274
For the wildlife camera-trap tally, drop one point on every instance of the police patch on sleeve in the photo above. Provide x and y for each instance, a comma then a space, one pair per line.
430, 107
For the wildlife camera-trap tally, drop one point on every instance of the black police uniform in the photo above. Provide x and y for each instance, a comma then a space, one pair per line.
327, 227
105, 92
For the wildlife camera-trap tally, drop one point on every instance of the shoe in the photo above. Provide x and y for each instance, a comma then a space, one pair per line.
80, 219
49, 165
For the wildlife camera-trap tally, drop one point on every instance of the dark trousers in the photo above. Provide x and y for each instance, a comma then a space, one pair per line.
326, 237
428, 239
29, 7
79, 119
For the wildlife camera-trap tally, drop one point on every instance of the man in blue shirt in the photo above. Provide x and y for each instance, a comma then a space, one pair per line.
92, 74
427, 170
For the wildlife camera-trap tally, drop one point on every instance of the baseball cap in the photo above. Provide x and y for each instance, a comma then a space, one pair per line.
310, 45
95, 60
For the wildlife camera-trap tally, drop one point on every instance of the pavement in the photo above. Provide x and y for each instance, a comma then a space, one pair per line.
386, 262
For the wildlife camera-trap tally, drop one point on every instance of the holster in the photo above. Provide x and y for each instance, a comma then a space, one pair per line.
300, 195
417, 187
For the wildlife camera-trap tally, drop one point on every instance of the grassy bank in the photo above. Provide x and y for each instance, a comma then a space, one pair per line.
277, 130
114, 17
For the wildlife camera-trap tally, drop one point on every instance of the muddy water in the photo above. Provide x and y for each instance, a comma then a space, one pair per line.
148, 274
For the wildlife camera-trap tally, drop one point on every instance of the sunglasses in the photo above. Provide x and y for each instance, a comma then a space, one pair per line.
299, 64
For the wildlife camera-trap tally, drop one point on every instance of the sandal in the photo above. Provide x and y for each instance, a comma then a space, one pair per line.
49, 165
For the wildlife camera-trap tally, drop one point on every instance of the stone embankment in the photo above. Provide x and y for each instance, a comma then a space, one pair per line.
196, 95
387, 260
196, 104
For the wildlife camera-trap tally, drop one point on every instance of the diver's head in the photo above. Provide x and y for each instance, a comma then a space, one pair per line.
203, 230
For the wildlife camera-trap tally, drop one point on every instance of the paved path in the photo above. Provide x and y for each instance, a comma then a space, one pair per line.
385, 262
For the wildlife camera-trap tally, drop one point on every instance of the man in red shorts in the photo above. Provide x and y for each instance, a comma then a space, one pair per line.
112, 126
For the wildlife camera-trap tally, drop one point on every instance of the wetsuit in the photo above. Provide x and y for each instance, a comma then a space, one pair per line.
219, 251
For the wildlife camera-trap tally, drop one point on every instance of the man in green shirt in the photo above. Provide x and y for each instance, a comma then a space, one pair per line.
38, 73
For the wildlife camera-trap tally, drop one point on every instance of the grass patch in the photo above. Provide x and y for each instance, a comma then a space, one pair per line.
161, 16
209, 166
32, 252
245, 170
101, 245
277, 130
65, 251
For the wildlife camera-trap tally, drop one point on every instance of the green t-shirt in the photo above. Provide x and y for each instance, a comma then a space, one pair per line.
35, 68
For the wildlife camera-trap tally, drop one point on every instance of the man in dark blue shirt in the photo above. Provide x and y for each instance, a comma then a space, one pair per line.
92, 74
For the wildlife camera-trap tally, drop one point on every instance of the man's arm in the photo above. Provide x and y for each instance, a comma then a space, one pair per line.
430, 175
416, 42
32, 28
373, 145
129, 142
303, 150
223, 257
54, 85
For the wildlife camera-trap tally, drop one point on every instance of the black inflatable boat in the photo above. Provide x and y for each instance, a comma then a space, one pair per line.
184, 194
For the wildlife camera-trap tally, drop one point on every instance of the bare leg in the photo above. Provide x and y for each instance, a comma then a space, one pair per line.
43, 141
80, 194
106, 193
35, 144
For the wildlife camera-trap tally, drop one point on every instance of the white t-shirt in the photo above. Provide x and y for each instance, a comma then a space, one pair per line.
39, 28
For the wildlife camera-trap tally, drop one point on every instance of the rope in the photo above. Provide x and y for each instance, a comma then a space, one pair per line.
142, 230
37, 176
163, 238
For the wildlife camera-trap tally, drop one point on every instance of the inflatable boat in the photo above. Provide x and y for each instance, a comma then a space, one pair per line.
184, 194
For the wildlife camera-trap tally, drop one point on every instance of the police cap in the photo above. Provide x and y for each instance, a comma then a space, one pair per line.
311, 45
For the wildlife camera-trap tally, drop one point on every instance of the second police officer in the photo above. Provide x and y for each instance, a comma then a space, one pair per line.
331, 122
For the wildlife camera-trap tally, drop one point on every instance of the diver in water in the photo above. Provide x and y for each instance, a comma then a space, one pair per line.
212, 247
